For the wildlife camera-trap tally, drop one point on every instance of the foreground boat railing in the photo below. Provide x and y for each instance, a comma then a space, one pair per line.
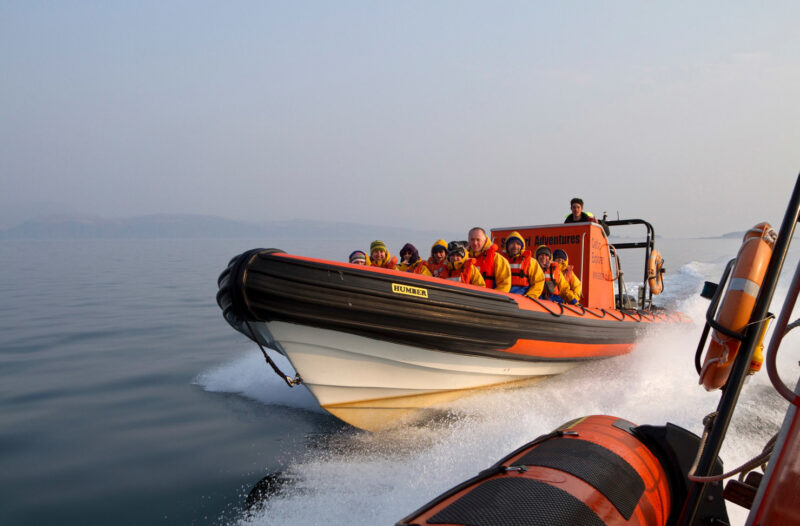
718, 425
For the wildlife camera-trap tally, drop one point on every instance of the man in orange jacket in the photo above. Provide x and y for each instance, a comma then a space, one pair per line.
493, 266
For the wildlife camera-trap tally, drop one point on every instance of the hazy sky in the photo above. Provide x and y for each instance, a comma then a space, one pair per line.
427, 114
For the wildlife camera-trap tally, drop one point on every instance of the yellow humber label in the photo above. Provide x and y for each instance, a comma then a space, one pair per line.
411, 291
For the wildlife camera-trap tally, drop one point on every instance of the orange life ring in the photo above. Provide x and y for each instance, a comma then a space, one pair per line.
654, 272
738, 303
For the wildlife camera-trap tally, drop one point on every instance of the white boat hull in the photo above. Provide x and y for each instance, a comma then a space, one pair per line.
371, 383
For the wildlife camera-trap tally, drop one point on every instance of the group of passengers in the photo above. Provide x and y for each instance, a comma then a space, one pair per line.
545, 274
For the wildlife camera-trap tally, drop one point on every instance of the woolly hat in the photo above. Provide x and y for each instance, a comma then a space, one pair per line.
544, 249
455, 247
514, 236
439, 245
558, 253
408, 247
358, 255
377, 245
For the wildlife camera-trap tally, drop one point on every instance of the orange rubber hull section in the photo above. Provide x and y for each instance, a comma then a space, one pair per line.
780, 503
652, 508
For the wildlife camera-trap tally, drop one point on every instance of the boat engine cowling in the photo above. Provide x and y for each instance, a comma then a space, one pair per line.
597, 470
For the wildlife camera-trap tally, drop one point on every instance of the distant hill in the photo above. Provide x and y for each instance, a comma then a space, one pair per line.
732, 235
195, 226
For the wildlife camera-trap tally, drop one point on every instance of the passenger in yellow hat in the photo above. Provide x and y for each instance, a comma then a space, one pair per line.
437, 263
379, 256
527, 277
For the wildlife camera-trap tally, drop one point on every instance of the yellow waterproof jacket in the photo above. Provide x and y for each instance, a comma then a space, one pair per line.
457, 272
575, 287
389, 262
534, 273
493, 266
418, 267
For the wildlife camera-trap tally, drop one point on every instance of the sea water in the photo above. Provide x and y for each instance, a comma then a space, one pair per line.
125, 398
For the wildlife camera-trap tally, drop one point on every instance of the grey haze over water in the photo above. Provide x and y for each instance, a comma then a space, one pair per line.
415, 114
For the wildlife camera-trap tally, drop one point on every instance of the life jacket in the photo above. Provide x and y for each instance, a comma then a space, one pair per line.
519, 269
552, 276
461, 275
568, 273
437, 269
389, 262
585, 216
416, 267
485, 263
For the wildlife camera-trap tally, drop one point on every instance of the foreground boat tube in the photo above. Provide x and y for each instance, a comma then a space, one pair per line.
592, 471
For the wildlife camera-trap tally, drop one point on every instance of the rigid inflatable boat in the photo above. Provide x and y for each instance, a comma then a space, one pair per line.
603, 470
373, 345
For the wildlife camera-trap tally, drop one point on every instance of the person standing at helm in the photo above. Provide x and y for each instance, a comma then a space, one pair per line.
555, 286
560, 257
461, 268
527, 277
578, 214
437, 263
379, 256
493, 266
411, 262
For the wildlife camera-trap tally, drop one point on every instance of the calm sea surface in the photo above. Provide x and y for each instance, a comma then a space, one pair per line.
125, 398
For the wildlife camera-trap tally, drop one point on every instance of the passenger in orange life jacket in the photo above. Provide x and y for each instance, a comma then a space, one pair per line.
411, 262
460, 268
527, 277
493, 266
554, 282
437, 263
575, 288
380, 257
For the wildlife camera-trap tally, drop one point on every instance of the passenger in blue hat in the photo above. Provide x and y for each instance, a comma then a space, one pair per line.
358, 257
575, 288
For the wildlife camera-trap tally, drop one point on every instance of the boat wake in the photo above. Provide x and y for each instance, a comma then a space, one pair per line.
378, 478
249, 376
